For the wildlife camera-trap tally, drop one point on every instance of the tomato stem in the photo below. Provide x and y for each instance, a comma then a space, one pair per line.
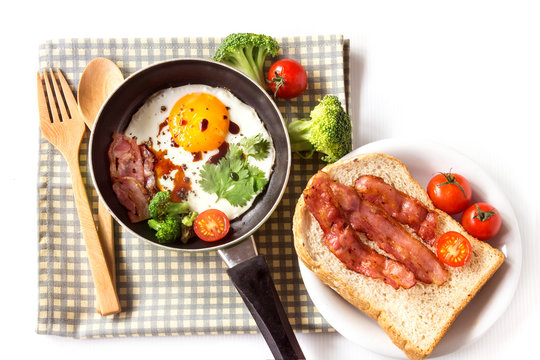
278, 80
451, 179
483, 215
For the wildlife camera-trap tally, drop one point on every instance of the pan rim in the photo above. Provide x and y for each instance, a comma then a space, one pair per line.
233, 242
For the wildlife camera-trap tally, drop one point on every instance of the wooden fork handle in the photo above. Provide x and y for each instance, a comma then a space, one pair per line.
107, 297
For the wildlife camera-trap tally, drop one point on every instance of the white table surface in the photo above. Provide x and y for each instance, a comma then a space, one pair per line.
465, 73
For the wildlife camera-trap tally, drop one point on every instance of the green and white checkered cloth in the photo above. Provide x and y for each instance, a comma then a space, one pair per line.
164, 292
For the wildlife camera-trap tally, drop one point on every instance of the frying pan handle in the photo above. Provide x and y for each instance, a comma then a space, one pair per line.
252, 280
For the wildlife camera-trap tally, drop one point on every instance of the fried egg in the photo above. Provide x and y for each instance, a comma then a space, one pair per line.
188, 126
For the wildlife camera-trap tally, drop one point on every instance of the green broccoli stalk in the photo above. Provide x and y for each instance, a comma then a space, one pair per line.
161, 206
300, 130
247, 52
328, 131
167, 230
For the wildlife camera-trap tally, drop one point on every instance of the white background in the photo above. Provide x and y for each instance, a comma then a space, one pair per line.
465, 73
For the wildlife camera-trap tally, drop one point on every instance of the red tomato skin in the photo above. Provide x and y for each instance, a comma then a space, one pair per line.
295, 77
449, 197
445, 242
211, 215
483, 230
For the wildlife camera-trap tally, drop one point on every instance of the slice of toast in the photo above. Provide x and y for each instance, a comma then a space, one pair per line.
417, 318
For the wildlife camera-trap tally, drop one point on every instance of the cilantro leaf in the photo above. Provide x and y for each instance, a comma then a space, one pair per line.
259, 180
232, 178
256, 146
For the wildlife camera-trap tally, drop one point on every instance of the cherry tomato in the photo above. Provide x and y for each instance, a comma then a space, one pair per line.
481, 220
287, 78
211, 225
453, 249
449, 192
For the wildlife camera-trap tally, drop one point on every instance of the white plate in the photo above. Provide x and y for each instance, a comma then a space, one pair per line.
424, 159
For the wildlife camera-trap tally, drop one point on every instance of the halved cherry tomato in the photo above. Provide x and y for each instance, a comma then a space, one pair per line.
453, 249
449, 192
211, 225
481, 220
287, 78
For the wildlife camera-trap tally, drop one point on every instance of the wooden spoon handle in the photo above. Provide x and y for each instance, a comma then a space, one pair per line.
105, 291
106, 236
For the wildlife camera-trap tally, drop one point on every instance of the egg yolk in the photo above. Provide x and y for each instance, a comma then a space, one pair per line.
199, 122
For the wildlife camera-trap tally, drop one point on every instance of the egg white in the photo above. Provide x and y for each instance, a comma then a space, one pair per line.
145, 124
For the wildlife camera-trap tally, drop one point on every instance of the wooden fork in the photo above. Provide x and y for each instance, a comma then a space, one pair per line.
65, 130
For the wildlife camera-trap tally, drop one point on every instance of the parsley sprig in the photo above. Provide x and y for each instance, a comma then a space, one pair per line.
233, 178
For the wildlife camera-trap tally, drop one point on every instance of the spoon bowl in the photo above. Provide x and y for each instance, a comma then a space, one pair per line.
99, 79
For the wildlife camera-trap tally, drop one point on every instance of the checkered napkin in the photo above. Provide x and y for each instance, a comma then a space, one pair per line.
164, 292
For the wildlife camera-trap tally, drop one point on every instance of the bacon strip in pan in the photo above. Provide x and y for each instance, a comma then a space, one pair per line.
388, 234
134, 197
344, 242
399, 205
131, 169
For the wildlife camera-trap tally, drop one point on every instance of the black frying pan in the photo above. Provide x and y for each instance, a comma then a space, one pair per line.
247, 270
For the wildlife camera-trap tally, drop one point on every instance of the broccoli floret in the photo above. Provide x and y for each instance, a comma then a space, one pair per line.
188, 219
167, 230
171, 220
187, 233
328, 131
247, 52
161, 206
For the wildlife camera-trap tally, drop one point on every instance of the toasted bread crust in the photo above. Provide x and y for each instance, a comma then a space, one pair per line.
435, 315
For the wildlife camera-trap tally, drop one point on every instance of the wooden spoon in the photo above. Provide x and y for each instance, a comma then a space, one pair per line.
98, 80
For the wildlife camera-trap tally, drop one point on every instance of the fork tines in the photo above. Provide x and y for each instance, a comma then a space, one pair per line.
59, 104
